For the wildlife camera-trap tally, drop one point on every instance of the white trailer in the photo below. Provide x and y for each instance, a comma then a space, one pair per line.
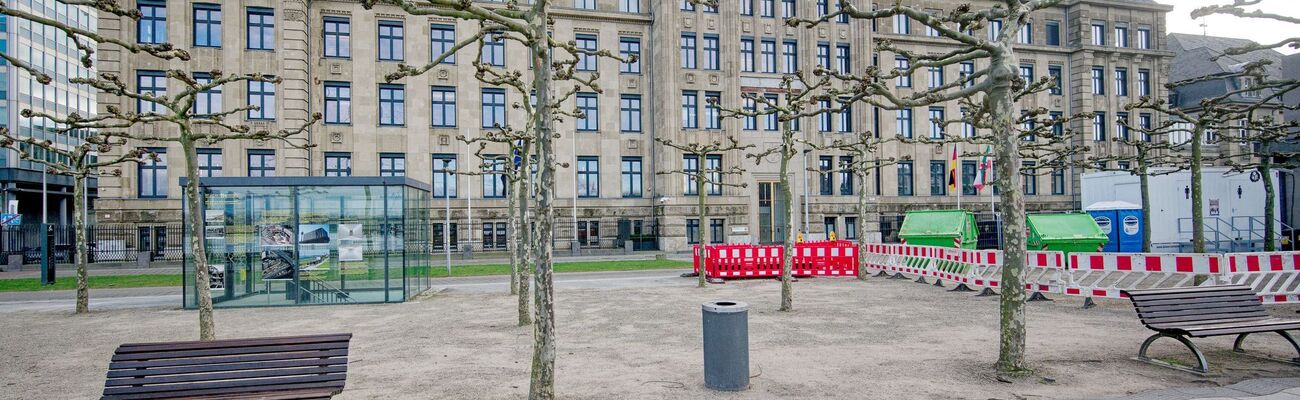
1233, 206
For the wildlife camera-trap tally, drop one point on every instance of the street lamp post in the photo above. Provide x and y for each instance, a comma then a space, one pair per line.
446, 224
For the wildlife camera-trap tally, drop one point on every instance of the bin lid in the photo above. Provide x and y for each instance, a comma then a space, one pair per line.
940, 223
1112, 205
1065, 227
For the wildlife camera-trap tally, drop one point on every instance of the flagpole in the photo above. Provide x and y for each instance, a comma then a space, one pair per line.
957, 164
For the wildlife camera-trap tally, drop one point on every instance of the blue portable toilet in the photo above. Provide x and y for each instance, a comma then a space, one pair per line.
1121, 222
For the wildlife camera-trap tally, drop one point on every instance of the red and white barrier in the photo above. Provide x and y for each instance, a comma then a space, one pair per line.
1044, 272
1108, 274
1274, 275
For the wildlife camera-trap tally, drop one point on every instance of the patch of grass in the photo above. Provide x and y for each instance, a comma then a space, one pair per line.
69, 282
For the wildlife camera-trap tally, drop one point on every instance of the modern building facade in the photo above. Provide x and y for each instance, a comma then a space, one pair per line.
51, 51
333, 56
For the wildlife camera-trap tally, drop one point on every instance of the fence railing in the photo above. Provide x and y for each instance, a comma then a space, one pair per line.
107, 242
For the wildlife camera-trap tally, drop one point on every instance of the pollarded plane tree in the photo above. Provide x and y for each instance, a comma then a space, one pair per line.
529, 25
1261, 95
995, 87
704, 180
1266, 139
80, 162
182, 123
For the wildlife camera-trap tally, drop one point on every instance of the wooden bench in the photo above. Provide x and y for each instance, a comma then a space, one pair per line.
1205, 311
279, 368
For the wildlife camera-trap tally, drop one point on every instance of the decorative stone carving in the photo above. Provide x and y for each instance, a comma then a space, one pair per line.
714, 79
336, 137
443, 74
690, 78
294, 15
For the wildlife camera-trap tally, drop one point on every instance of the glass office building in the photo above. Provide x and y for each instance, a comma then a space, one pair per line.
283, 241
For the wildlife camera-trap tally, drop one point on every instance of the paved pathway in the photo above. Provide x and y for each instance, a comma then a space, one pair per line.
1254, 389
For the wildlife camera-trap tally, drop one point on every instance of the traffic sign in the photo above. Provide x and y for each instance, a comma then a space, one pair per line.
11, 219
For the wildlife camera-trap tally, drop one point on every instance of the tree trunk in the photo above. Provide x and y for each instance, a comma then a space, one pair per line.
1011, 351
194, 226
787, 259
1270, 195
542, 381
862, 226
1198, 214
512, 214
702, 214
1144, 183
79, 226
526, 245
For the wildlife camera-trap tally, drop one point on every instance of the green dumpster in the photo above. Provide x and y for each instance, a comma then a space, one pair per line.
1070, 232
942, 228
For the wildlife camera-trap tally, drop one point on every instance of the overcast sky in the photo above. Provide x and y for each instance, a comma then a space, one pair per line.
1259, 30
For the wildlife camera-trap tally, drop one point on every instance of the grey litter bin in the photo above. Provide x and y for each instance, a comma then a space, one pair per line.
726, 345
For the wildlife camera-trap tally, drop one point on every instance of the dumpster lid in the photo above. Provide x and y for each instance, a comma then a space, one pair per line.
934, 223
1071, 226
1112, 205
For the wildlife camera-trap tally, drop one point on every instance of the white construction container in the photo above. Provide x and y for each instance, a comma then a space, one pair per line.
1233, 206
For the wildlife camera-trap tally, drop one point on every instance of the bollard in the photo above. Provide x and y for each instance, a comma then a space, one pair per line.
726, 345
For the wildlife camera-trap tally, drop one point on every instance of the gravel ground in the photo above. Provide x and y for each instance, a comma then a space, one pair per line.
846, 339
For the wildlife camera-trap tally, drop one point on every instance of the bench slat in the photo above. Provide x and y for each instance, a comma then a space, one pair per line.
128, 373
1216, 309
1174, 295
230, 343
162, 355
250, 384
1253, 327
1194, 289
234, 392
313, 354
1243, 316
1155, 303
222, 376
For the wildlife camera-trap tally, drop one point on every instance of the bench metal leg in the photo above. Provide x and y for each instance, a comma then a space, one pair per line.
1237, 347
1203, 369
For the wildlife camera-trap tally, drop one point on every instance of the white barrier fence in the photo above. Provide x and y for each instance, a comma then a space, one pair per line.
1274, 275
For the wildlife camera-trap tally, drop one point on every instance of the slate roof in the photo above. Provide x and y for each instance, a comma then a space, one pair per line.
1193, 58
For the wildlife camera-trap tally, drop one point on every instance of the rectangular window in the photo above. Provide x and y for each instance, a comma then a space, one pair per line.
338, 37
789, 9
392, 105
823, 8
1121, 36
494, 108
750, 120
845, 116
790, 57
1121, 125
630, 48
825, 118
767, 8
902, 24
151, 28
589, 107
392, 41
1055, 72
1029, 178
768, 51
746, 7
904, 178
442, 38
828, 225
691, 167
588, 176
1121, 81
1053, 33
904, 80
152, 83
629, 109
1026, 34
629, 6
770, 119
444, 175
261, 163
968, 169
1144, 38
825, 184
1027, 73
688, 50
494, 177
589, 231
261, 95
1144, 82
587, 61
1058, 180
1099, 127
717, 228
938, 178
210, 162
936, 122
631, 169
1098, 33
1098, 81
392, 164
153, 174
936, 77
585, 4
824, 55
995, 29
712, 60
687, 5
850, 228
444, 106
746, 55
338, 164
494, 51
261, 28
966, 73
846, 175
712, 110
494, 235
207, 102
967, 128
842, 64
713, 166
692, 229
690, 109
207, 24
903, 123
1144, 123
338, 103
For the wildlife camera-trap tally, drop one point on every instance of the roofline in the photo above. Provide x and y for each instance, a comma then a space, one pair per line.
1114, 3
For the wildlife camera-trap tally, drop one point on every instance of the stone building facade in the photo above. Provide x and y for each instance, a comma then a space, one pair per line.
612, 191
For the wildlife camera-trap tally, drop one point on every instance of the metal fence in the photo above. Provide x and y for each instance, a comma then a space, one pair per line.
107, 242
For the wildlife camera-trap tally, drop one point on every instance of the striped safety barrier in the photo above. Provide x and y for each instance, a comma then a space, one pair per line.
1044, 272
1274, 275
1108, 274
